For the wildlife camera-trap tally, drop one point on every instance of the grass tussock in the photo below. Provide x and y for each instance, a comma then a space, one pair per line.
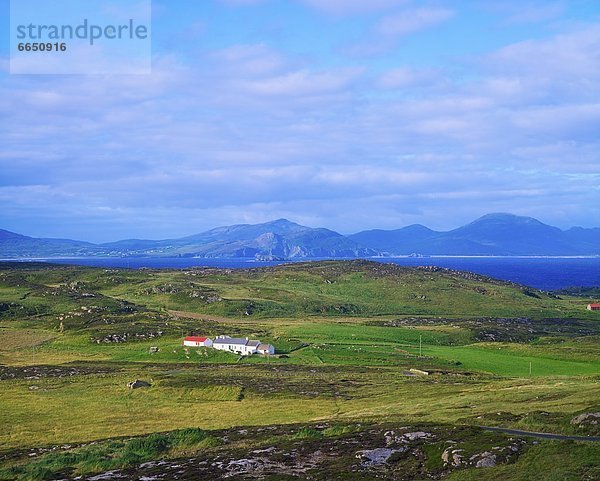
340, 430
307, 433
110, 455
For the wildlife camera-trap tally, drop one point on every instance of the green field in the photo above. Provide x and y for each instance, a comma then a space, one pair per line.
347, 335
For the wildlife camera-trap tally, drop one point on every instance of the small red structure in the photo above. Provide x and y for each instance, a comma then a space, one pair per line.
593, 307
197, 341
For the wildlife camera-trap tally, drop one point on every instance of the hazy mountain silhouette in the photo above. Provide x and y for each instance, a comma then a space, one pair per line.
492, 234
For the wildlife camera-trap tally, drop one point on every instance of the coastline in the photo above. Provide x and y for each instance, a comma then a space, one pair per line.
547, 273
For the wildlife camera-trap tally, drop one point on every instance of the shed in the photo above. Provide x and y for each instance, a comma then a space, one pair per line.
266, 349
594, 306
197, 341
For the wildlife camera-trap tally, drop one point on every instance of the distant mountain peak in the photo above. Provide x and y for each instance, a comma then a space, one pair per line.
281, 221
417, 228
499, 215
497, 233
506, 217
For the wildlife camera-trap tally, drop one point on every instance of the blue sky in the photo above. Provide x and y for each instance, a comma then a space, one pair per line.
344, 114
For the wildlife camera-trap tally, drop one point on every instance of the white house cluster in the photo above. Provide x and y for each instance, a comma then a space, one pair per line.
236, 345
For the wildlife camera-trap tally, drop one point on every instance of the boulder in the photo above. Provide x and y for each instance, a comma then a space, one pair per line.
586, 419
375, 456
390, 438
138, 383
484, 460
409, 437
244, 465
452, 456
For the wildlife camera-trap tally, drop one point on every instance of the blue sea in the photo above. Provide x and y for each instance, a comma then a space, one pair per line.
547, 273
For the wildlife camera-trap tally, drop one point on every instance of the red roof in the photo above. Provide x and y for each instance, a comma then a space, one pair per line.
594, 304
195, 339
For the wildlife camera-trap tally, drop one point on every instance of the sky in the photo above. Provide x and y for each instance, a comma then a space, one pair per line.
346, 114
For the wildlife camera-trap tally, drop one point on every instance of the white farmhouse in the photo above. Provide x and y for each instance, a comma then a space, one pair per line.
238, 345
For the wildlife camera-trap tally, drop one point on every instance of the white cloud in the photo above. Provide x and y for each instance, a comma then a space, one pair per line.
405, 77
574, 55
392, 27
411, 21
302, 83
527, 11
350, 7
538, 12
560, 121
249, 60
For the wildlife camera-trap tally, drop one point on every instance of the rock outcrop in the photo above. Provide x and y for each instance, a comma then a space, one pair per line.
138, 383
586, 419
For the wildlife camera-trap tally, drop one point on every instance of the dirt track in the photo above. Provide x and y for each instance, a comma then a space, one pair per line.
559, 437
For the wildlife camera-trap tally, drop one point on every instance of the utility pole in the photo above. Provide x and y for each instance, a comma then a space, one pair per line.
420, 346
530, 368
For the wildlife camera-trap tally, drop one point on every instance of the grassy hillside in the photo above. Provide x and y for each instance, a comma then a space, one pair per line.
349, 289
347, 335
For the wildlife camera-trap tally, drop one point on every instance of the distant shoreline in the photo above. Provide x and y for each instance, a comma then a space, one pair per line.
532, 256
305, 259
546, 273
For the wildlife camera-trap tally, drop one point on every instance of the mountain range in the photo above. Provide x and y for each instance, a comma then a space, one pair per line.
491, 235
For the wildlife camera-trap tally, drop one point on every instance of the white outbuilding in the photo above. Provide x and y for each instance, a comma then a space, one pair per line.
197, 341
265, 349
